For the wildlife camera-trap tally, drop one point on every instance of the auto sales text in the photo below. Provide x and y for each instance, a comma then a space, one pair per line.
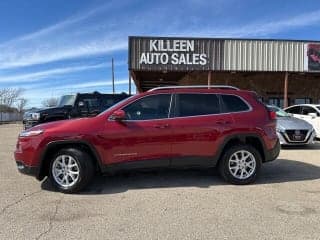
176, 52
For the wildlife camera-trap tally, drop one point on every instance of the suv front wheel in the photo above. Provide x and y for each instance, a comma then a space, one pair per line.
71, 170
240, 164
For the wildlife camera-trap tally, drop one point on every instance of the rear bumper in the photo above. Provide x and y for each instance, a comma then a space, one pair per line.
273, 153
28, 170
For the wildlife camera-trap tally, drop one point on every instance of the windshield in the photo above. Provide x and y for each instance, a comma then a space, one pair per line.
318, 107
279, 112
66, 100
116, 105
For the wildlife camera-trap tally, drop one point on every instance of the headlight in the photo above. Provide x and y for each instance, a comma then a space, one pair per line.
35, 116
30, 133
279, 130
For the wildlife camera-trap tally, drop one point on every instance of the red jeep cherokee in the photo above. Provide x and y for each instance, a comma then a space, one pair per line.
164, 127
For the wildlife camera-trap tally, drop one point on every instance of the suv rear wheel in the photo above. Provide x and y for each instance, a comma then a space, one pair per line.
71, 170
240, 164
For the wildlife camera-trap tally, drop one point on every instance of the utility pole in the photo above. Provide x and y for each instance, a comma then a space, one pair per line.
113, 90
129, 82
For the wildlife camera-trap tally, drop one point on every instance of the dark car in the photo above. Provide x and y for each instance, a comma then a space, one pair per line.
73, 106
165, 127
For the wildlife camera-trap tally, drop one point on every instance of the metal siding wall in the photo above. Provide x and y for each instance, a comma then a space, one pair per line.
260, 55
10, 117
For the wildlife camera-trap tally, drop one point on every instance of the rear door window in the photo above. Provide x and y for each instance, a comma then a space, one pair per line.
233, 103
109, 101
196, 104
306, 110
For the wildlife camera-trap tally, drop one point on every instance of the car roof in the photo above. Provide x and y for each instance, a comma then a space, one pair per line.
304, 104
195, 87
199, 89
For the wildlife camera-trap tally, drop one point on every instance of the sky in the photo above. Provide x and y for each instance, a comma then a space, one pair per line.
51, 48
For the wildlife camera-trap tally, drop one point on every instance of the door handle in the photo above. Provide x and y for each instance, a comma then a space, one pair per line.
162, 126
222, 122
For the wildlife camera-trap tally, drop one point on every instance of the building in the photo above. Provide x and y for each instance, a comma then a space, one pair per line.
282, 72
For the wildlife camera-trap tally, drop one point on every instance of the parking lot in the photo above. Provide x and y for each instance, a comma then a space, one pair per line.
193, 204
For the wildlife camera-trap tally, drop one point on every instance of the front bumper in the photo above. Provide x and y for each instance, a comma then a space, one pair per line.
284, 139
28, 170
273, 153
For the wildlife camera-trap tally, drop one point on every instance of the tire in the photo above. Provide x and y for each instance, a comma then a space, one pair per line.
240, 164
71, 170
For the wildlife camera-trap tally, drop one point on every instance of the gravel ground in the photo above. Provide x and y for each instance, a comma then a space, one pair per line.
171, 204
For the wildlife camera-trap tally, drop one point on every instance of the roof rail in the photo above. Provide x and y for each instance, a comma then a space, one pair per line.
195, 86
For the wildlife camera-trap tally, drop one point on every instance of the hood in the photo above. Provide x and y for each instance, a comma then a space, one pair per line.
68, 124
46, 111
41, 110
52, 109
292, 123
69, 129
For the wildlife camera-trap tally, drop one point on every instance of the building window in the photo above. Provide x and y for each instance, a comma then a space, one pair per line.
261, 99
302, 101
277, 101
273, 101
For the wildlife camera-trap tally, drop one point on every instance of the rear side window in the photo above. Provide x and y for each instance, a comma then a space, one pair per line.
234, 104
92, 102
108, 101
196, 105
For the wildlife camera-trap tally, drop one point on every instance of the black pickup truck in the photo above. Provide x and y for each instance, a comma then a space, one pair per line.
73, 106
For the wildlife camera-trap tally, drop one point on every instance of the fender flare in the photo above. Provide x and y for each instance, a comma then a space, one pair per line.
53, 144
241, 138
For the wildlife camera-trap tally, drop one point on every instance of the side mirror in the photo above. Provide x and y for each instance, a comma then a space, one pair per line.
81, 104
313, 115
118, 115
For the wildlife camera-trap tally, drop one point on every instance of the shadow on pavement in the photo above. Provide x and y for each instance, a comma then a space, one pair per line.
315, 146
279, 171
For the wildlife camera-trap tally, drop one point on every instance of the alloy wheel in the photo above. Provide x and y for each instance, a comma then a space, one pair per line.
65, 171
242, 164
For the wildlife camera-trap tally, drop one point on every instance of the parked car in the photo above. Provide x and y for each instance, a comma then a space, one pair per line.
73, 106
307, 112
291, 130
165, 127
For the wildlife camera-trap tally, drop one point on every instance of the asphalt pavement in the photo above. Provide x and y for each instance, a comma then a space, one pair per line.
169, 204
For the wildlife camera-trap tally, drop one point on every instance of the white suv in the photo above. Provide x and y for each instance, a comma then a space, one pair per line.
307, 112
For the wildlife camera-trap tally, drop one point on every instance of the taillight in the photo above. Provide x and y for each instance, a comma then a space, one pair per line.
272, 115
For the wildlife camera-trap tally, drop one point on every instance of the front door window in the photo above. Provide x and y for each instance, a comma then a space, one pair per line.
148, 108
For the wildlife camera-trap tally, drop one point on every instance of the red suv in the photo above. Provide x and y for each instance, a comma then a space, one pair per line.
164, 127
